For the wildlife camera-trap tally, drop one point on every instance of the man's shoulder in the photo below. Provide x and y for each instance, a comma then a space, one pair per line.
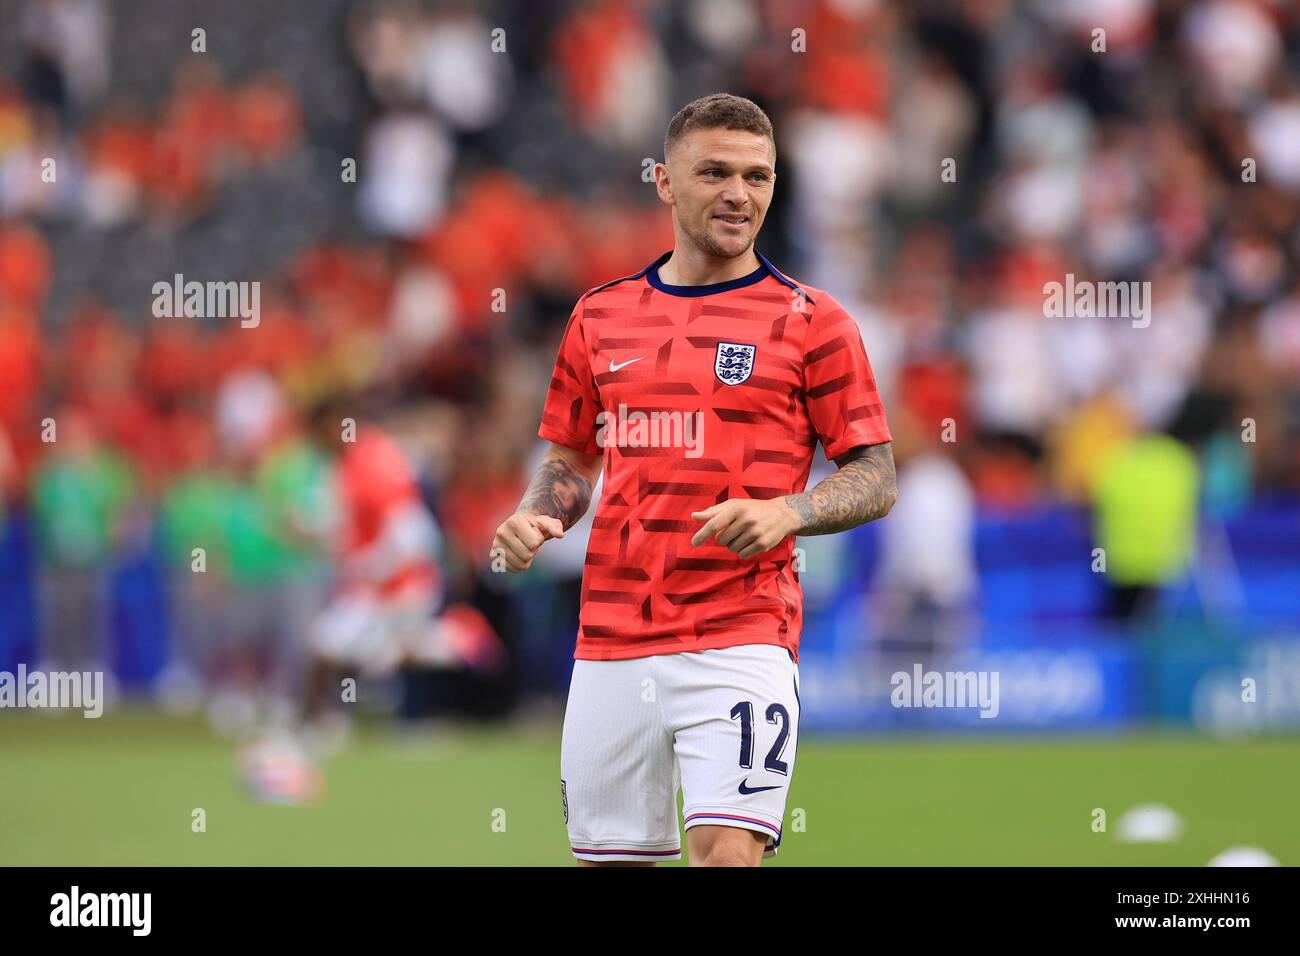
816, 305
809, 293
610, 290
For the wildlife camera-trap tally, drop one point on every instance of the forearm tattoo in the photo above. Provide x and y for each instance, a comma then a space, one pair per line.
558, 490
862, 490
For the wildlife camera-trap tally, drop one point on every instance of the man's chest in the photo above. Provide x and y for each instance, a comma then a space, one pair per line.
734, 365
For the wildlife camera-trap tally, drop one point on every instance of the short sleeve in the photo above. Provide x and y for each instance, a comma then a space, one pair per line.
572, 402
839, 386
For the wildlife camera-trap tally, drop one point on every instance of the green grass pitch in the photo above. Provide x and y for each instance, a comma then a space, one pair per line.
120, 790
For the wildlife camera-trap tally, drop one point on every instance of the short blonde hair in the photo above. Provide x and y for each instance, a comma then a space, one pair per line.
719, 111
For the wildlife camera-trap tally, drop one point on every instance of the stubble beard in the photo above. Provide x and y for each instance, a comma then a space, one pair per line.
706, 243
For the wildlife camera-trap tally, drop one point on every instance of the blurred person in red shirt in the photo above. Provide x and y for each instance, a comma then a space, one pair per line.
26, 267
387, 606
268, 118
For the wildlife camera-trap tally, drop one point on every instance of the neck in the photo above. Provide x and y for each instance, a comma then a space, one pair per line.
693, 267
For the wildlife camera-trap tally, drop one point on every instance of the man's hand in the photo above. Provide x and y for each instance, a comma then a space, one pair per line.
557, 497
746, 526
521, 535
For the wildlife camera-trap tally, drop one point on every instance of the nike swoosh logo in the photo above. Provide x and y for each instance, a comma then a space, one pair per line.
615, 368
746, 789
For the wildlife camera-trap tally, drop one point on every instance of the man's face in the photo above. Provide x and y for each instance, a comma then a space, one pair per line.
719, 183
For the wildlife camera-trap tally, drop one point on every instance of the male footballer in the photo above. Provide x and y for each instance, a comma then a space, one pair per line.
701, 385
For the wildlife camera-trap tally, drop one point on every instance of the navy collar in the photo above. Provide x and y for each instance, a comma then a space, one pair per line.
765, 268
695, 291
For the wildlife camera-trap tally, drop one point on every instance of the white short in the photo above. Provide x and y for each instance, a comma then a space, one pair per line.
721, 724
375, 635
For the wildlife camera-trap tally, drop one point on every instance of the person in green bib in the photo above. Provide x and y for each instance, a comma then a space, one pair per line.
1144, 511
80, 496
293, 495
194, 510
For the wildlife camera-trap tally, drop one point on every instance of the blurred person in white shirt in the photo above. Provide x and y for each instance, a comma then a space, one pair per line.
927, 576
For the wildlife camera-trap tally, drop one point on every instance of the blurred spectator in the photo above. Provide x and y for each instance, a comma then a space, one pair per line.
67, 48
405, 173
193, 513
927, 576
1146, 505
614, 73
80, 496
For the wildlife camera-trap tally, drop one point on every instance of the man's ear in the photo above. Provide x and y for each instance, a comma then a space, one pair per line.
663, 185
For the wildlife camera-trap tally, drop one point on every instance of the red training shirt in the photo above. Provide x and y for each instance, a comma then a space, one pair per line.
698, 394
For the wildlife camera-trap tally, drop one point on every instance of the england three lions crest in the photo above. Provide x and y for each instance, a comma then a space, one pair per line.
734, 362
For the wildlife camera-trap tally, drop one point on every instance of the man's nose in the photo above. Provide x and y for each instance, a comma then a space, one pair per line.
733, 191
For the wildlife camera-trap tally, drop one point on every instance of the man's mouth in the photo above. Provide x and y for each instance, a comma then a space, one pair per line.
735, 220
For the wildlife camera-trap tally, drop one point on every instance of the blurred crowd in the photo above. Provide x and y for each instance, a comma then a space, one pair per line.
938, 164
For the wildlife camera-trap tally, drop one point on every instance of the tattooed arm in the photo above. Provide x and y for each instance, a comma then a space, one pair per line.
862, 490
557, 497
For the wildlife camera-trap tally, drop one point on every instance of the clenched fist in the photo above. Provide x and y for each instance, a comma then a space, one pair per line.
746, 526
521, 535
